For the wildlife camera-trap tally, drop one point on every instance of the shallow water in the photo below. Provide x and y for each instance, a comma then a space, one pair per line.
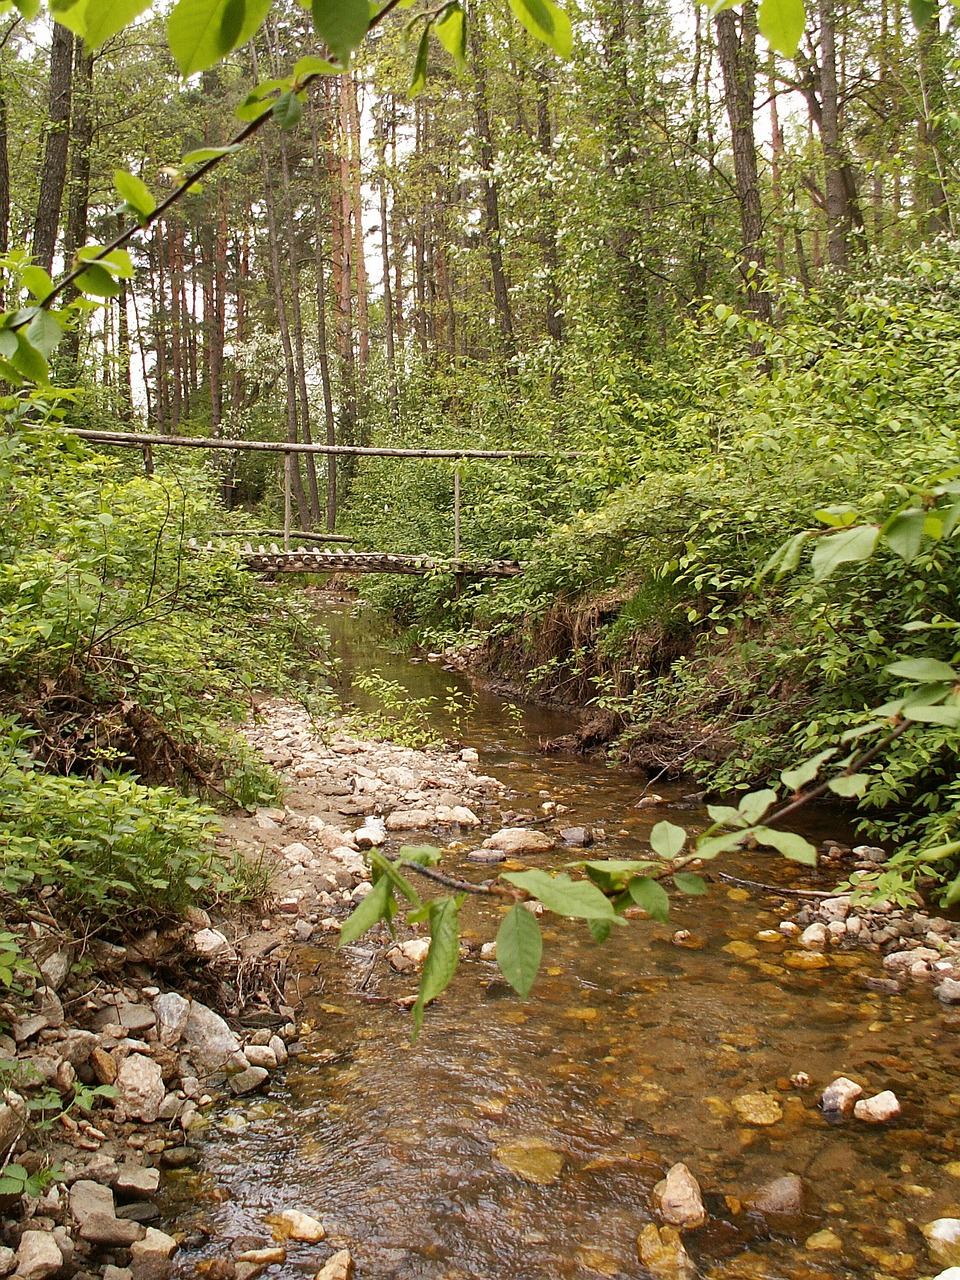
626, 1058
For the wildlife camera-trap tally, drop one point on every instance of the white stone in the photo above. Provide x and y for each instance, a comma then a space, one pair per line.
211, 944
835, 908
678, 1198
339, 1267
878, 1109
840, 1095
150, 1257
943, 1241
409, 955
837, 929
172, 1011
260, 1055
519, 840
207, 1038
411, 819
292, 1224
903, 961
372, 833
8, 1260
298, 852
140, 1083
38, 1255
469, 756
814, 936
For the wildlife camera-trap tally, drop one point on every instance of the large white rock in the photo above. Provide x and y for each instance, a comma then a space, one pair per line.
339, 1267
678, 1198
878, 1109
840, 1095
38, 1255
411, 819
211, 944
140, 1082
207, 1038
519, 840
292, 1224
814, 936
172, 1012
943, 1241
150, 1257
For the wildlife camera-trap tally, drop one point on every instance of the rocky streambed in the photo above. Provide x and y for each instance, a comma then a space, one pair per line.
660, 1107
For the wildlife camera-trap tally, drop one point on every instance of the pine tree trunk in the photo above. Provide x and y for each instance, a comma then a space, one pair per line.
54, 173
736, 46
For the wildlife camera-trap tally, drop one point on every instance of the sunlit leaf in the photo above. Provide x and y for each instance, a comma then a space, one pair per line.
366, 914
341, 24
841, 548
419, 80
443, 956
519, 949
543, 19
135, 192
791, 845
687, 882
755, 804
651, 897
848, 785
796, 778
781, 24
923, 669
452, 33
560, 894
201, 32
904, 533
667, 839
97, 20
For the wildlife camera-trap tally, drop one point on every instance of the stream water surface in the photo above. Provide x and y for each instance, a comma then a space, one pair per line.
626, 1058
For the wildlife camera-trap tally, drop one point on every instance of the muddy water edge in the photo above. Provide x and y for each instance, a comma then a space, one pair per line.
523, 1139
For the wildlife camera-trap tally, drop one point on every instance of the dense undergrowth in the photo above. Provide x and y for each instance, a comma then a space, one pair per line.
123, 658
643, 598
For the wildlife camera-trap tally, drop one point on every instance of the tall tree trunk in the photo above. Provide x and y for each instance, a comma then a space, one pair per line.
933, 52
54, 173
836, 192
329, 417
736, 46
492, 232
78, 189
289, 365
390, 347
297, 328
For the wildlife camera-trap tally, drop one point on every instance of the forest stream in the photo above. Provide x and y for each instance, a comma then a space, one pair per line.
523, 1139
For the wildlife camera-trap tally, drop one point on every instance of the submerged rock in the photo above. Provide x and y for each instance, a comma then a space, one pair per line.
878, 1109
512, 840
943, 1241
786, 1195
661, 1251
531, 1160
292, 1224
840, 1095
339, 1267
758, 1109
678, 1198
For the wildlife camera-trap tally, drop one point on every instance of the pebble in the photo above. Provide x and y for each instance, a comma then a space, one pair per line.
678, 1198
878, 1109
840, 1096
292, 1224
339, 1267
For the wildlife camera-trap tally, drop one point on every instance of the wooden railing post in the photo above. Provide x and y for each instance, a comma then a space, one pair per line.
456, 510
287, 498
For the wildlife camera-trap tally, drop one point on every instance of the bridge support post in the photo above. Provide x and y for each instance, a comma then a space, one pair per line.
456, 510
287, 498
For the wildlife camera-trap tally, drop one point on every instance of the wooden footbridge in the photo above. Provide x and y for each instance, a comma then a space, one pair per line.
274, 559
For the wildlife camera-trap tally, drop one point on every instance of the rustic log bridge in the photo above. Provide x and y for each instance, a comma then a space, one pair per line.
273, 559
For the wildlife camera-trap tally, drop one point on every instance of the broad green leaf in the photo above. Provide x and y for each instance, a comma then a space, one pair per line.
848, 784
904, 533
443, 956
788, 843
922, 11
651, 897
841, 548
950, 520
118, 263
37, 281
201, 32
686, 882
28, 8
28, 360
204, 154
923, 669
709, 846
725, 815
519, 948
949, 716
96, 280
287, 110
667, 839
794, 779
135, 192
786, 557
563, 896
341, 24
425, 855
452, 33
841, 517
419, 81
755, 804
97, 20
8, 343
314, 67
367, 913
382, 866
952, 895
781, 24
544, 20
600, 930
43, 332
